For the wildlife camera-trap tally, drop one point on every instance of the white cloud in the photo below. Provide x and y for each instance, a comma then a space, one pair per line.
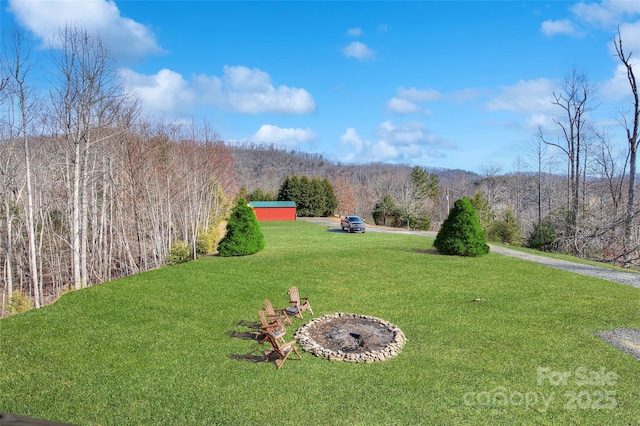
163, 92
409, 142
417, 95
251, 91
358, 150
354, 32
240, 89
618, 87
606, 12
386, 151
406, 143
127, 40
465, 95
562, 26
630, 34
351, 137
535, 121
402, 106
531, 96
358, 50
407, 100
593, 12
409, 134
271, 134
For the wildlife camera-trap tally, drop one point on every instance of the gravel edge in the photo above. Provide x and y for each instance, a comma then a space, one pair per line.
628, 278
625, 339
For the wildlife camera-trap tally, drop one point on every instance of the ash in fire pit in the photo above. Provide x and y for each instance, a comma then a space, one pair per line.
351, 337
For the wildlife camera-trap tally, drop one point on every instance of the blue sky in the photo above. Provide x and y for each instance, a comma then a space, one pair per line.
452, 84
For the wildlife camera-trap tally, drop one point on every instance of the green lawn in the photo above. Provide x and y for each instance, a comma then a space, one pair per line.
174, 347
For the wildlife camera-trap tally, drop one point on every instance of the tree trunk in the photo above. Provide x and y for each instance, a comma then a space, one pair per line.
9, 259
633, 138
33, 259
75, 220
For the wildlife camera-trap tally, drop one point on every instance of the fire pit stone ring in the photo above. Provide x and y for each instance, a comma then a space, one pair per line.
351, 338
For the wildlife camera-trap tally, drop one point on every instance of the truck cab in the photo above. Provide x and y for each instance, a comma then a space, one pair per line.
353, 224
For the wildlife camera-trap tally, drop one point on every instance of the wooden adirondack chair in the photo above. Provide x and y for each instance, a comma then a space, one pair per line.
274, 314
298, 304
280, 350
275, 327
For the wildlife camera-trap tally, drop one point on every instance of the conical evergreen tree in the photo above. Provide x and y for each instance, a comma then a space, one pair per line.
313, 197
243, 235
318, 197
461, 233
289, 189
330, 200
304, 202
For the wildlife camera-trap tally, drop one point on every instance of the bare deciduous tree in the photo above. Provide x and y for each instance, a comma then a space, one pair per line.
575, 101
85, 103
631, 124
344, 195
490, 172
26, 104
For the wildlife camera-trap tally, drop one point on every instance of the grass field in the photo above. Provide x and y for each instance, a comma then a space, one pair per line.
175, 346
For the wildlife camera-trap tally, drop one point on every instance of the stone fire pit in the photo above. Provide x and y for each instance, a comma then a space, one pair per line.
351, 338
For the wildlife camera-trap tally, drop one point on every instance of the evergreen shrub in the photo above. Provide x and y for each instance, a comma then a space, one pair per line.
543, 237
243, 235
461, 233
507, 229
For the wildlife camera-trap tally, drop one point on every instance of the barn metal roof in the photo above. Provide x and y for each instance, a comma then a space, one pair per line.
272, 204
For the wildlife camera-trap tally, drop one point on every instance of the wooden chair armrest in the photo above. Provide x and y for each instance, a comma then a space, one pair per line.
272, 327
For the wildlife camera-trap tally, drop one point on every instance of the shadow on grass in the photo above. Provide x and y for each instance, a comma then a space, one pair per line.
250, 324
426, 251
249, 357
254, 333
244, 335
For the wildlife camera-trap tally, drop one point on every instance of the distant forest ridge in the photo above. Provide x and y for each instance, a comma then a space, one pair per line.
264, 166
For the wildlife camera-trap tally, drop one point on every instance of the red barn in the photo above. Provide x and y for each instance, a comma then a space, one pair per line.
274, 210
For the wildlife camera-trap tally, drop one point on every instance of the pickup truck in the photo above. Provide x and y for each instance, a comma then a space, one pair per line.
352, 224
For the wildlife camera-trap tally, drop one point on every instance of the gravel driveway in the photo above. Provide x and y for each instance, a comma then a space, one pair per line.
628, 278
